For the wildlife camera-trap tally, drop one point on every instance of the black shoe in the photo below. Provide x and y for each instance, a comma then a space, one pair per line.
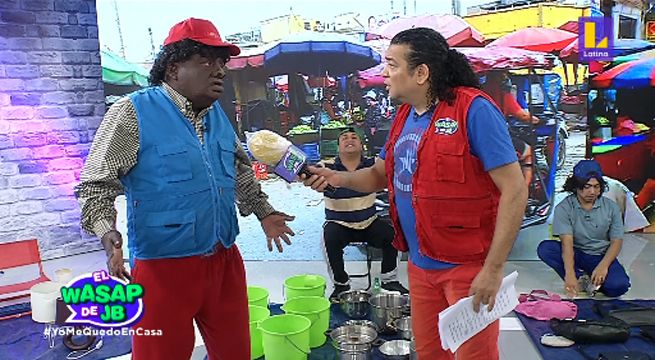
338, 289
395, 286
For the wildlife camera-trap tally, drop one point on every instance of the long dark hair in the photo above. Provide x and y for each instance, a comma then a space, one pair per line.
448, 67
573, 183
182, 51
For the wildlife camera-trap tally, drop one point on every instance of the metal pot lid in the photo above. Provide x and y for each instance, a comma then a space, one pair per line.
395, 347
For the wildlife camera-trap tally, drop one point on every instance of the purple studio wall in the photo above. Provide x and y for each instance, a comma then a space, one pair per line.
51, 103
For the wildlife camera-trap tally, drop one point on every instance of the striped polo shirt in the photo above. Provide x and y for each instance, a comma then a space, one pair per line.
347, 207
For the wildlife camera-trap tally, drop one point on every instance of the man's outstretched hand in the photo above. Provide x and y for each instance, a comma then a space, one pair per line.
276, 229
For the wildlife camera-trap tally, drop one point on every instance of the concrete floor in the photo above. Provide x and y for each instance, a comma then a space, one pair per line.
638, 256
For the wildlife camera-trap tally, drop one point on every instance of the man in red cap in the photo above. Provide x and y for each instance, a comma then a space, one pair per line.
172, 150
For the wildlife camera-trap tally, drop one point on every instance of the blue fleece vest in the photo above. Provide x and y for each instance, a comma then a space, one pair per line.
180, 195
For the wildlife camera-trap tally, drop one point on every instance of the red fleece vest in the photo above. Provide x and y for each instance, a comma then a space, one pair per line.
454, 199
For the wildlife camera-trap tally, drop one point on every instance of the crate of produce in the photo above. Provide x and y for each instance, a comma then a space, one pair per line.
331, 133
329, 148
304, 138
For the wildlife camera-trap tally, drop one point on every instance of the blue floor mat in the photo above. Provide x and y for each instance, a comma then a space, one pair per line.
22, 339
536, 329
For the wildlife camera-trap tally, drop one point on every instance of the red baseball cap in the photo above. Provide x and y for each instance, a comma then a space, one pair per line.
200, 30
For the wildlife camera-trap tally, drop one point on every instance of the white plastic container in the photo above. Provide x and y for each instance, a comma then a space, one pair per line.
43, 298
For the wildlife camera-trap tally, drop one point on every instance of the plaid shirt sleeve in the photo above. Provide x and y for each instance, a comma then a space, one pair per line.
250, 197
113, 153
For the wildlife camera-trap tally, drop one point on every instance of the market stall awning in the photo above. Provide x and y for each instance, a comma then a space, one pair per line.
630, 75
481, 60
621, 47
455, 29
117, 71
314, 53
537, 39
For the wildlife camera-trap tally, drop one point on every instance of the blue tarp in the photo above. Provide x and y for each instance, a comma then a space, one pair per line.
536, 329
22, 338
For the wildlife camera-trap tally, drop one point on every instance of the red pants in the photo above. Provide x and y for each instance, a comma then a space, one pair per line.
210, 289
433, 291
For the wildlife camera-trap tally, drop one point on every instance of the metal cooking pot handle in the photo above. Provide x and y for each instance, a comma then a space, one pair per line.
378, 342
328, 332
391, 326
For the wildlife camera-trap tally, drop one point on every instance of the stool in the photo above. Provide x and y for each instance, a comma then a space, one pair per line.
369, 260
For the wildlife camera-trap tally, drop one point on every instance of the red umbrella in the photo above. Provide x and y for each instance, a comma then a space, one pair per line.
537, 39
570, 52
570, 26
456, 31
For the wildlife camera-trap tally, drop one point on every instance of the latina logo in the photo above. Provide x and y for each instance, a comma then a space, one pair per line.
596, 39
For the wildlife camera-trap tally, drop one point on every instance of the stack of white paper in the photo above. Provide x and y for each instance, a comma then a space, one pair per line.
459, 322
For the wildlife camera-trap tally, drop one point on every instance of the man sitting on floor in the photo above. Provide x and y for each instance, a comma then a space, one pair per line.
590, 228
351, 217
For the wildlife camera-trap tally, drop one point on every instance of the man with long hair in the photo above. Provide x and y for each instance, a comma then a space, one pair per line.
172, 149
590, 229
456, 191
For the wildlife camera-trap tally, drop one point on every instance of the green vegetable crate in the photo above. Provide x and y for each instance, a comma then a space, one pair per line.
329, 148
304, 138
331, 133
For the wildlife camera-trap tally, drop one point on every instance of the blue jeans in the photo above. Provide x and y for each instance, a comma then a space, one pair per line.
617, 282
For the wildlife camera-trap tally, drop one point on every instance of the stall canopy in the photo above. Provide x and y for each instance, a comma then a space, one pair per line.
648, 54
455, 29
537, 39
117, 71
621, 47
481, 60
314, 53
630, 75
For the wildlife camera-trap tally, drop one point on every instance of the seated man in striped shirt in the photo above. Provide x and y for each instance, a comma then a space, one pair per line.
350, 217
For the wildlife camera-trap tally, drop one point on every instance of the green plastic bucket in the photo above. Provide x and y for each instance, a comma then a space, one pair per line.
317, 310
286, 337
257, 314
304, 285
257, 296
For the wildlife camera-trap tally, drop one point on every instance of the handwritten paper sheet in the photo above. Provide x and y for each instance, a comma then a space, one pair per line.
459, 322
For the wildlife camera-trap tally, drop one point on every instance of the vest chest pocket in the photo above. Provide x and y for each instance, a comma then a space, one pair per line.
227, 158
449, 165
176, 165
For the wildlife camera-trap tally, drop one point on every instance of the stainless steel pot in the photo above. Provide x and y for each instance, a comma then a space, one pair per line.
368, 323
403, 327
388, 307
354, 303
353, 342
